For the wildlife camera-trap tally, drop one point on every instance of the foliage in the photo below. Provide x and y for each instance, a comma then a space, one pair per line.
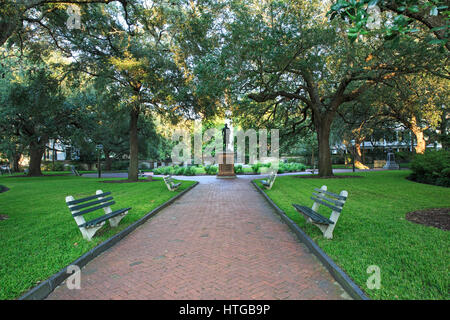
211, 169
120, 165
365, 17
291, 167
53, 166
433, 167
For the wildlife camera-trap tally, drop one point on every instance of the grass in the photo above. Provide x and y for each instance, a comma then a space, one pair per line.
41, 237
372, 230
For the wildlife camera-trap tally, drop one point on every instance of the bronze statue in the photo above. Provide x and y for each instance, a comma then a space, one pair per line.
226, 136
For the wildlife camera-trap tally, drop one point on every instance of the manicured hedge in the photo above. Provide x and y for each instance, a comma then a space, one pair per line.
433, 167
238, 169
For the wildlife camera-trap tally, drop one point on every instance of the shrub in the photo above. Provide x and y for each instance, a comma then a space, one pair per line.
403, 156
120, 165
157, 170
168, 170
210, 169
190, 171
180, 171
50, 166
433, 167
291, 167
255, 167
238, 169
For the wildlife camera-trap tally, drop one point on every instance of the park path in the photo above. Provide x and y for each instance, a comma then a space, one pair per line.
219, 241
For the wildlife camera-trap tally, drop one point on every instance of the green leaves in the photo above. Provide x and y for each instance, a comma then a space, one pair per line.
358, 14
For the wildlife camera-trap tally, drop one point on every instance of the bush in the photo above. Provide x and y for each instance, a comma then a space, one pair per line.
168, 171
433, 167
210, 169
238, 169
120, 165
291, 167
48, 166
255, 167
190, 171
403, 156
179, 171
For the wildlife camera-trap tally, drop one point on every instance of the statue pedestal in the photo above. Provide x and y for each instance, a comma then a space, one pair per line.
226, 165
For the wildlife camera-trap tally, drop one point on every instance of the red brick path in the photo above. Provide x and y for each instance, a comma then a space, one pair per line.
219, 241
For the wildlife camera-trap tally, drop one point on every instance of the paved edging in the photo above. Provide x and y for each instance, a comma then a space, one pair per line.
341, 277
45, 288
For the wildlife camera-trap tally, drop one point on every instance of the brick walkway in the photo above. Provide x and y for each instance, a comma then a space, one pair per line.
219, 241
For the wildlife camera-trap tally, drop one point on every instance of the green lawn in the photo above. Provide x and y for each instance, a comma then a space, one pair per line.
41, 237
372, 230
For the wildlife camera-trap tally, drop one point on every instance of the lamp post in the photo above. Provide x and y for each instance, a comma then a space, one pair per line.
99, 148
353, 156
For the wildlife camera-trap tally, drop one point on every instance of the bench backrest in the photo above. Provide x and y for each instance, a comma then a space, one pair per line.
272, 176
168, 179
74, 171
82, 206
329, 199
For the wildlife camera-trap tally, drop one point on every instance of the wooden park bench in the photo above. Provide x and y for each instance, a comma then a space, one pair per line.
5, 169
75, 171
171, 185
334, 201
101, 201
270, 180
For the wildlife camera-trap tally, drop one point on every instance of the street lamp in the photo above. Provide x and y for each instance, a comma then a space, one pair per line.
99, 148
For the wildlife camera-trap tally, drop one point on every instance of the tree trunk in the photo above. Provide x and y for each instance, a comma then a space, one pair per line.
421, 144
357, 155
323, 127
134, 156
53, 155
36, 152
14, 160
418, 132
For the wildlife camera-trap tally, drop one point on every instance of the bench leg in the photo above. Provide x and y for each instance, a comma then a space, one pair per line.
114, 222
88, 233
328, 233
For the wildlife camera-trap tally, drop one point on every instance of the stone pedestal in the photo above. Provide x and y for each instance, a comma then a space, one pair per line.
226, 165
390, 163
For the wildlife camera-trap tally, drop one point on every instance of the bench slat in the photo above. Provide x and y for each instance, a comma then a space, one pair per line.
108, 204
338, 209
331, 194
104, 218
88, 198
316, 217
84, 205
339, 203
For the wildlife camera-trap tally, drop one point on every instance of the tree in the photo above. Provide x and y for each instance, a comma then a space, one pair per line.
33, 110
417, 102
131, 53
362, 15
18, 17
282, 53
